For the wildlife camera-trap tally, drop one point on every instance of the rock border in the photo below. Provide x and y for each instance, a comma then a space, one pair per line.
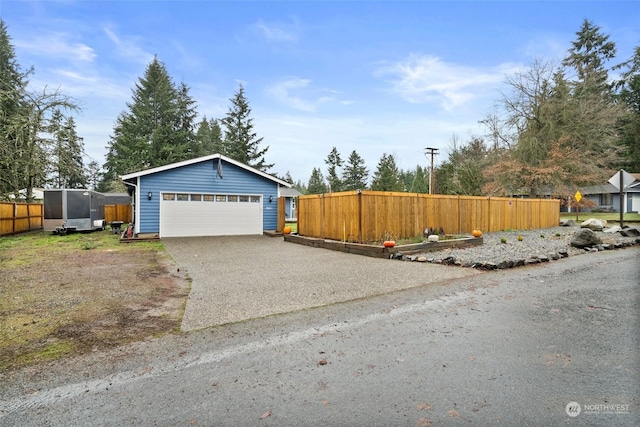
519, 262
379, 251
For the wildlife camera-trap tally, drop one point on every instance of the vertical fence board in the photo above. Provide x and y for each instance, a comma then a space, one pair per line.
122, 213
20, 217
281, 214
375, 215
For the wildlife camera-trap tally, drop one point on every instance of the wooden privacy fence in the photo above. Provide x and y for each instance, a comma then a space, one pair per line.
122, 213
20, 217
376, 215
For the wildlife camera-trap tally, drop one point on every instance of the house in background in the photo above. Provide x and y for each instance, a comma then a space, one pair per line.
36, 193
290, 200
607, 197
207, 196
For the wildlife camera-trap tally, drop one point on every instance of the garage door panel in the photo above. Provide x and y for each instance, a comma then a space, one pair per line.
208, 218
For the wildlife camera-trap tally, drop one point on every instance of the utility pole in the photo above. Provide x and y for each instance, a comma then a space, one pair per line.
432, 151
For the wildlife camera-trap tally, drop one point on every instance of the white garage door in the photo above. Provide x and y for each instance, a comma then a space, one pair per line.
186, 214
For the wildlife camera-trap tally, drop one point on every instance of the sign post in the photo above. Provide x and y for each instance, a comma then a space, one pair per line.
578, 197
621, 180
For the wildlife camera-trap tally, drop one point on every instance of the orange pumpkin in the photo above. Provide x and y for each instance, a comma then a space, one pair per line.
476, 233
389, 243
287, 230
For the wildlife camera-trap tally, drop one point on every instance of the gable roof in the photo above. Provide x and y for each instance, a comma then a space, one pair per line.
199, 160
289, 192
608, 188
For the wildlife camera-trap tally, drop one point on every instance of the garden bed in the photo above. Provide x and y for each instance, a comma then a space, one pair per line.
380, 251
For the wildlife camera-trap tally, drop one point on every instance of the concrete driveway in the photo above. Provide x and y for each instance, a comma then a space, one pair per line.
236, 278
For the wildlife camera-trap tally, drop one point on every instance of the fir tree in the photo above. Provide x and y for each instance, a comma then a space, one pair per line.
420, 183
13, 85
334, 163
157, 128
386, 176
67, 169
355, 174
240, 141
630, 124
316, 183
209, 138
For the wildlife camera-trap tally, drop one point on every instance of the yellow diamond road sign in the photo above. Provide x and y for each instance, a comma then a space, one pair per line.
578, 196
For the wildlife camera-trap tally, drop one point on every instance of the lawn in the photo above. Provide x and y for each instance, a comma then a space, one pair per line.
293, 225
67, 295
609, 217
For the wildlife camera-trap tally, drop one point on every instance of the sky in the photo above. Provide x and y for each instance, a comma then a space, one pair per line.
377, 77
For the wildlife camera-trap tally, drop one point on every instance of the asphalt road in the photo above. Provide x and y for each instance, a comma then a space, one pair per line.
512, 347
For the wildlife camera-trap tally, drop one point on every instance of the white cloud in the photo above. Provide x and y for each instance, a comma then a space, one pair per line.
299, 94
423, 79
283, 33
58, 45
128, 47
83, 84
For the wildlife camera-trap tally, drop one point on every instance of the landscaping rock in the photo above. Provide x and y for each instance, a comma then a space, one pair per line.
557, 244
630, 232
433, 238
614, 229
422, 259
594, 224
585, 238
567, 223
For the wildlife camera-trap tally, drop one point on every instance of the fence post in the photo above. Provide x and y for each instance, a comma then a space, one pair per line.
459, 216
323, 215
359, 216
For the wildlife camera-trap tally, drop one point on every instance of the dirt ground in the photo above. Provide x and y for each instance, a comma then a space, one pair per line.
67, 295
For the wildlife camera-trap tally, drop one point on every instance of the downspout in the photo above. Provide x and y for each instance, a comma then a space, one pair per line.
136, 205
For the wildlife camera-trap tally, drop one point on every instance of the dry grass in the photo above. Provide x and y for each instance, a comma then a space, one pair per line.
66, 295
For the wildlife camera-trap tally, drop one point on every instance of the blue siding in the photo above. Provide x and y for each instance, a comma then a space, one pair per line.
287, 207
202, 178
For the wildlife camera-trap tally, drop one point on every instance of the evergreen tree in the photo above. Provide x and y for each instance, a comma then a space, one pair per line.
334, 163
300, 186
288, 178
590, 112
420, 183
157, 128
630, 123
386, 176
35, 136
240, 141
186, 122
209, 138
94, 174
462, 172
588, 56
566, 129
355, 174
406, 178
13, 85
316, 183
66, 165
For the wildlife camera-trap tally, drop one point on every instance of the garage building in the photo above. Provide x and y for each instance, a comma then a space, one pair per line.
207, 196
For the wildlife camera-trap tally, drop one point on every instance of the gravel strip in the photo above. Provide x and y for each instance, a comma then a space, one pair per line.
536, 246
